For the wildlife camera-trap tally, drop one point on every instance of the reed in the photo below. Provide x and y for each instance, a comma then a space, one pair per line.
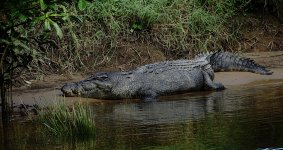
74, 121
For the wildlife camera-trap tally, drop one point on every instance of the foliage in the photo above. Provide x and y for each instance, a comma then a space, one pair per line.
179, 27
18, 19
17, 47
82, 5
61, 121
67, 36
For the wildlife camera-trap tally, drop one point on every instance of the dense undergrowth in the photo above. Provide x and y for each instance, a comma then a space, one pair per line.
179, 28
70, 36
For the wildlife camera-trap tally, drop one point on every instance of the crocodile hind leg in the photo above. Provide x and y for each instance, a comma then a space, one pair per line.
210, 84
148, 95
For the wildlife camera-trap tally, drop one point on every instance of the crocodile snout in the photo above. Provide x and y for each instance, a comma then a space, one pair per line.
70, 89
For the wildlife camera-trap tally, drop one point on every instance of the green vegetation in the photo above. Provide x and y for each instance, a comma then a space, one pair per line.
68, 122
20, 26
67, 36
70, 36
179, 27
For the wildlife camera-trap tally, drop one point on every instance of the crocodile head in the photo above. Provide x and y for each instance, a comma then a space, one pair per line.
97, 86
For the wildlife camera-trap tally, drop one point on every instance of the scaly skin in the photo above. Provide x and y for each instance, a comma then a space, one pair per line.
163, 78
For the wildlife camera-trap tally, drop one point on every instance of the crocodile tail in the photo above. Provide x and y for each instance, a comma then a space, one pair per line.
226, 61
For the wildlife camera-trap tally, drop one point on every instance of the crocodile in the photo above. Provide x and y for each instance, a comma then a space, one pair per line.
163, 78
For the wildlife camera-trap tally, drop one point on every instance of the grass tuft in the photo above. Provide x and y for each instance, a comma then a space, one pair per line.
61, 120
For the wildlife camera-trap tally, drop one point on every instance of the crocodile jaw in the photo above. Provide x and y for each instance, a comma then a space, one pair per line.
71, 90
90, 88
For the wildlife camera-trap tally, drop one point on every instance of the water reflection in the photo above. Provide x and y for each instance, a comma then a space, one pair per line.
237, 118
189, 107
234, 118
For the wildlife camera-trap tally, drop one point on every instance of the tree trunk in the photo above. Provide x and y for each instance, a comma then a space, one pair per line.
5, 98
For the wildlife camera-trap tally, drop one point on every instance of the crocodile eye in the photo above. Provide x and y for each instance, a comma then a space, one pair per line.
101, 76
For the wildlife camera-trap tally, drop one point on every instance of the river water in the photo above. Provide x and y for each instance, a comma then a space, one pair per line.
240, 117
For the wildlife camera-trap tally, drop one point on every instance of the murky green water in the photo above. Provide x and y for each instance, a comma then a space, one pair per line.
248, 117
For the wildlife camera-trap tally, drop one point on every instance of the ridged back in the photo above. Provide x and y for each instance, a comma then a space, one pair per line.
172, 65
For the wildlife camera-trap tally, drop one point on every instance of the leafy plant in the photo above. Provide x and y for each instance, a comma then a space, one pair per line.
137, 26
82, 4
18, 49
